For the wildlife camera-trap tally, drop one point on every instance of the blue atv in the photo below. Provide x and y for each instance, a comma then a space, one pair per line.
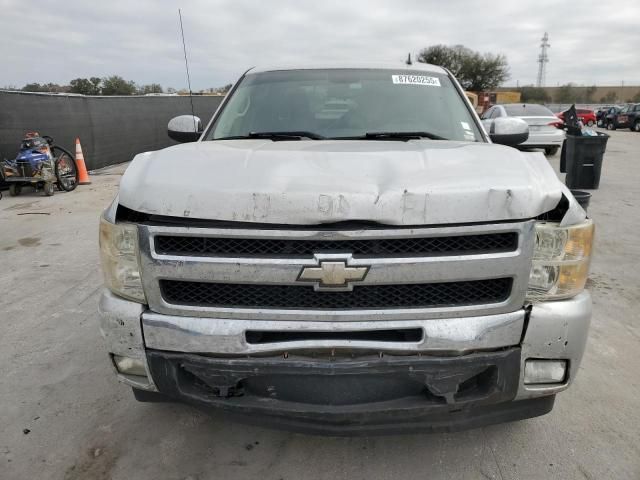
41, 164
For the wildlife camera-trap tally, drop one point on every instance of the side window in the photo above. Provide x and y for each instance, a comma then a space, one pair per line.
637, 108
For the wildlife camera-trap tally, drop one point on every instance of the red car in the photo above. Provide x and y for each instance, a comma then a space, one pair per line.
587, 117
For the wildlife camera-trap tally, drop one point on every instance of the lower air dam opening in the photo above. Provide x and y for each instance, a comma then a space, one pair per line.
401, 335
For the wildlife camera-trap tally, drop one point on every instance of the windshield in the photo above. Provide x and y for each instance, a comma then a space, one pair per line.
526, 110
346, 103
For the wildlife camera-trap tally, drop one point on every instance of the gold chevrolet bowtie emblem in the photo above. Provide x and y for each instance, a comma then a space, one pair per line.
333, 274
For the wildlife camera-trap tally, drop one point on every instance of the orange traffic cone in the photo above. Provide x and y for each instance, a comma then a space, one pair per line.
83, 175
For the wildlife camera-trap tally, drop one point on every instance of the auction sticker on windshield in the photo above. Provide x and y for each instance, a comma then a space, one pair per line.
415, 80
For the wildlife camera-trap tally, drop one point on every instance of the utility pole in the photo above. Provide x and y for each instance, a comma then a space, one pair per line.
543, 59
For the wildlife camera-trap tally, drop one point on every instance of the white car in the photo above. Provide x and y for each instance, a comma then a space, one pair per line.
543, 124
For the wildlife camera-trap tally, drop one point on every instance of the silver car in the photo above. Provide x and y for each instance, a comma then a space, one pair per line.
543, 124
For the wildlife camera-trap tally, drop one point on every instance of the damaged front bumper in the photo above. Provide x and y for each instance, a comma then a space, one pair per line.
347, 396
462, 373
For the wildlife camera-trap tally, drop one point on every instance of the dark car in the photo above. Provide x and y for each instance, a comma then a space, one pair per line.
601, 114
627, 117
607, 116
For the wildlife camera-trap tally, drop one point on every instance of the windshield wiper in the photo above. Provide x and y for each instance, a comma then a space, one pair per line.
402, 136
276, 136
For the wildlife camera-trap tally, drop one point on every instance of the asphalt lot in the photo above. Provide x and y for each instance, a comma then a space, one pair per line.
63, 415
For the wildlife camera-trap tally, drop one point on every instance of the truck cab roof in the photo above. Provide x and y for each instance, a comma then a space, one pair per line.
425, 67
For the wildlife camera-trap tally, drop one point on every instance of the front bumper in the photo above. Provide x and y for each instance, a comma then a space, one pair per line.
208, 361
347, 396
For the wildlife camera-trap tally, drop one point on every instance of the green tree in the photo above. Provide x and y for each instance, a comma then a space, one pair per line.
96, 82
33, 87
475, 71
86, 86
116, 85
151, 88
45, 87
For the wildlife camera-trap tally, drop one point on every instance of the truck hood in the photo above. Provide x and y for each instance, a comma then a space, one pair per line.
419, 182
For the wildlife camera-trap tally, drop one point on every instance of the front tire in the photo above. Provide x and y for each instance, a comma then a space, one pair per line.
636, 126
66, 169
551, 151
611, 126
590, 123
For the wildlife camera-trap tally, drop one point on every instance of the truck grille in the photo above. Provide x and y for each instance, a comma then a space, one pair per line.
423, 295
269, 247
251, 272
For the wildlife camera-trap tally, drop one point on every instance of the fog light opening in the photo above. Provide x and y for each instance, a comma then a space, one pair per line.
130, 366
538, 372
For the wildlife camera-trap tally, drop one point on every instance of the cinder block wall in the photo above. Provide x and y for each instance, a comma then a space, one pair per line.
111, 129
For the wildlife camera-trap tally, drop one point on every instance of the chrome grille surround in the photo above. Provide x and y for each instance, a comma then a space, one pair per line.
514, 264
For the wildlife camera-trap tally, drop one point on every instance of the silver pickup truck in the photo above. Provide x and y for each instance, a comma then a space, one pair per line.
343, 250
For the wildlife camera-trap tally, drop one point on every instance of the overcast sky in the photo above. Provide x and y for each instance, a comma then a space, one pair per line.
592, 41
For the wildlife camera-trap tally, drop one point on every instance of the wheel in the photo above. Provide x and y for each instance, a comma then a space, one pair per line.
590, 123
551, 151
66, 170
49, 189
636, 126
15, 189
611, 126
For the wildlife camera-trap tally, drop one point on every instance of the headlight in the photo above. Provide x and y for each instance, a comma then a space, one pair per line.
560, 260
119, 255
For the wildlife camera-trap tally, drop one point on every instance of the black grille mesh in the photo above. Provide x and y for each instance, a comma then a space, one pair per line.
425, 295
467, 244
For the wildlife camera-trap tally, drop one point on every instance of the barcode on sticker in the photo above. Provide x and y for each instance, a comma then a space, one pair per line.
415, 80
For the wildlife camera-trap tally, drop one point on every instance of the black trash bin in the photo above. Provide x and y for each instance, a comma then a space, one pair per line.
582, 160
583, 198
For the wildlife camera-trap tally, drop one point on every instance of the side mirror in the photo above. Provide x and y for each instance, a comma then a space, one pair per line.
508, 131
184, 128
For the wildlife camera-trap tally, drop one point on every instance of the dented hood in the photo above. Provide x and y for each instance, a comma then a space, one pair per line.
419, 182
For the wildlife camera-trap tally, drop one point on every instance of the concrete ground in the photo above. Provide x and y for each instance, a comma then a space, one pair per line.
64, 416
